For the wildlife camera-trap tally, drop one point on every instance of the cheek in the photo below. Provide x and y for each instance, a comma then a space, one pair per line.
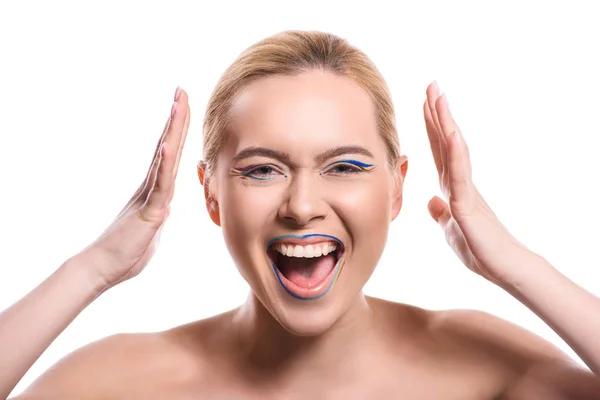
366, 210
244, 211
366, 203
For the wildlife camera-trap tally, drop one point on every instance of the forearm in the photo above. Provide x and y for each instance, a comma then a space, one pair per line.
29, 326
568, 309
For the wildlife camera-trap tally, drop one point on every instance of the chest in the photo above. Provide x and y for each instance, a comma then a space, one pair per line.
384, 385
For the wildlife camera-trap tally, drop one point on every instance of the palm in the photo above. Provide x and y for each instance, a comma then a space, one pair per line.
471, 228
127, 245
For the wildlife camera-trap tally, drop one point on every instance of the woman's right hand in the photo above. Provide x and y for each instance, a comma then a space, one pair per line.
125, 248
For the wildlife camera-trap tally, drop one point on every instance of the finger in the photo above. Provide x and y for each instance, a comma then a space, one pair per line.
174, 131
433, 93
141, 194
148, 180
449, 125
439, 210
434, 140
459, 166
459, 180
186, 125
158, 196
167, 130
162, 137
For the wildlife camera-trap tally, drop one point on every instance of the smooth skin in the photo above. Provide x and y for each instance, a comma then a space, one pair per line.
375, 349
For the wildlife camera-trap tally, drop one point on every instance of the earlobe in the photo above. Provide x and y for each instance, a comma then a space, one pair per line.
213, 210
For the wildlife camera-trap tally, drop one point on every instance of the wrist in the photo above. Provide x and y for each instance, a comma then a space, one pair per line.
528, 268
80, 269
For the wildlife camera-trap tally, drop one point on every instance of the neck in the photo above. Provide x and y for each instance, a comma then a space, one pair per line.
270, 348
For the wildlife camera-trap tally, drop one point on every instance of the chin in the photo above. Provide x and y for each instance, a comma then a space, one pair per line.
304, 320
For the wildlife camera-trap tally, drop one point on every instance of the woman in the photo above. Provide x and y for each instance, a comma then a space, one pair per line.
303, 172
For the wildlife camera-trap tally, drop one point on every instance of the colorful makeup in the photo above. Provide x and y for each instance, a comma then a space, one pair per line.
312, 276
365, 166
353, 166
255, 171
265, 172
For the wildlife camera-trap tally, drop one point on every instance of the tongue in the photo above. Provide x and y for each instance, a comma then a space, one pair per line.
306, 272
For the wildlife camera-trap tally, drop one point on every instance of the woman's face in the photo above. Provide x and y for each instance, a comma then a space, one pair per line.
305, 194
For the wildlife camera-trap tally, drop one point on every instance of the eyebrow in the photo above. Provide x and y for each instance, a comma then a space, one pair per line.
341, 150
286, 159
262, 152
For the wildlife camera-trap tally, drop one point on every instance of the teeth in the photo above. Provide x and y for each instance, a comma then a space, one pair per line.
299, 251
318, 251
310, 251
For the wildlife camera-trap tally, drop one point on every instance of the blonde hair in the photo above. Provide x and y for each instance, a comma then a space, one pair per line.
291, 53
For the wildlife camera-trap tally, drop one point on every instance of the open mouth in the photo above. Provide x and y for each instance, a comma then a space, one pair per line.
306, 266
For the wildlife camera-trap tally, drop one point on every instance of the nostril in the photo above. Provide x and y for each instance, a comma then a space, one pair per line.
301, 209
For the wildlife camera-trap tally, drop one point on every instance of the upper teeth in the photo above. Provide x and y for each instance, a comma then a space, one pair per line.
312, 250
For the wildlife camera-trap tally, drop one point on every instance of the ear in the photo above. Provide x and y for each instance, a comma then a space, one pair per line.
399, 175
212, 206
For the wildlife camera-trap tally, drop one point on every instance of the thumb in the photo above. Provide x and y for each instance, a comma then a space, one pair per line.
439, 210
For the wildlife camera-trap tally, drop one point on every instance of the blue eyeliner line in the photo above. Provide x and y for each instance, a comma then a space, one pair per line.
244, 176
357, 163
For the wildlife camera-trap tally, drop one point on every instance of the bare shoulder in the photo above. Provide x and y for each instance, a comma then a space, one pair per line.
482, 331
130, 365
497, 358
107, 368
531, 366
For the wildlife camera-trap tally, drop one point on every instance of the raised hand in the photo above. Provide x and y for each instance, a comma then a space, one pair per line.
127, 245
472, 230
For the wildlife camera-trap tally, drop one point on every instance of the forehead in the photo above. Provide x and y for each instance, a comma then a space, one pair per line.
308, 112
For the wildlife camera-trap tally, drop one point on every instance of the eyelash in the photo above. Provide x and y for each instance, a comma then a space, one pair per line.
251, 172
352, 167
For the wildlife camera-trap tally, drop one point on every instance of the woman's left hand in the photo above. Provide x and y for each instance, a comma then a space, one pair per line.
472, 229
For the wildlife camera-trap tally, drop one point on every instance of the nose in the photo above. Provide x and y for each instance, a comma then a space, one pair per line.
303, 202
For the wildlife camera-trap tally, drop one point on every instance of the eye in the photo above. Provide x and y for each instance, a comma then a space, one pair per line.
343, 169
261, 173
348, 167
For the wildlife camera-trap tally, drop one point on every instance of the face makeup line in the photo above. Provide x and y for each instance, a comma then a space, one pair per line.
336, 269
247, 172
252, 172
253, 151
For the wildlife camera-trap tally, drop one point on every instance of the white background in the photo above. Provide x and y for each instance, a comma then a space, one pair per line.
85, 90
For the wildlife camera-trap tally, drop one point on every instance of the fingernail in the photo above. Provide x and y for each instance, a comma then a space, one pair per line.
436, 86
173, 109
177, 93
